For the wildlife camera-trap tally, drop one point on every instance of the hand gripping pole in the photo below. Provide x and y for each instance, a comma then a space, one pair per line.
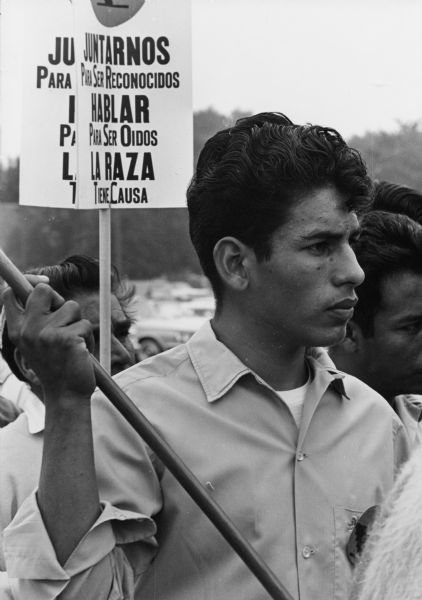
22, 288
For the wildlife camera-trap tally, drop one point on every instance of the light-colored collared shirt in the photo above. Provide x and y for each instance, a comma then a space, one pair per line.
19, 392
20, 464
295, 495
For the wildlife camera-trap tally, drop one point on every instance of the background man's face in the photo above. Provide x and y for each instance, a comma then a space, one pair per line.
393, 355
122, 351
311, 270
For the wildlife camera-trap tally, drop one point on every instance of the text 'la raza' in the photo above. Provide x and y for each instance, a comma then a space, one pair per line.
122, 166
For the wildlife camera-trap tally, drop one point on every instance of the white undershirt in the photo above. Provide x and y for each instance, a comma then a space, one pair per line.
295, 399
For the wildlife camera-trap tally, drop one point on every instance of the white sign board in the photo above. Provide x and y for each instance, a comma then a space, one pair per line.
134, 102
107, 110
48, 155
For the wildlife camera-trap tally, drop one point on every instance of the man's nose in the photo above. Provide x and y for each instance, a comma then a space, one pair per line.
348, 270
121, 356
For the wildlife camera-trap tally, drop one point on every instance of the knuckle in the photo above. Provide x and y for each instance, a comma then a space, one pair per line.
86, 325
42, 289
25, 336
73, 307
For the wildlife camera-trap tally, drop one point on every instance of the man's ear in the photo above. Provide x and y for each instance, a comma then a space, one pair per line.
353, 341
231, 258
25, 369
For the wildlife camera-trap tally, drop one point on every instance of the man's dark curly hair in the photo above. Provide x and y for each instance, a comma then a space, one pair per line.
398, 198
249, 175
77, 274
388, 244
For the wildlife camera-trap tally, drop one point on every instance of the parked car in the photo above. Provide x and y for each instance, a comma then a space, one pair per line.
168, 323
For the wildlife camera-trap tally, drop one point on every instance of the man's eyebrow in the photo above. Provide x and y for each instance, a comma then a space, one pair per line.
412, 317
329, 233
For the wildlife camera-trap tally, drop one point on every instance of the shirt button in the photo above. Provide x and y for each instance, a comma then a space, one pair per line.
300, 456
307, 551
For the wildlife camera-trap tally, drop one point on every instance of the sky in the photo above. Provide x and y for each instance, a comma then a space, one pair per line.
355, 65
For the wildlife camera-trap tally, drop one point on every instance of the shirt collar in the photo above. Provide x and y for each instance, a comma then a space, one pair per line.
218, 369
35, 414
323, 362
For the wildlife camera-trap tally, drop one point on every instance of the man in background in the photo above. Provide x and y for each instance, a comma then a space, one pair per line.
397, 198
75, 278
383, 342
15, 394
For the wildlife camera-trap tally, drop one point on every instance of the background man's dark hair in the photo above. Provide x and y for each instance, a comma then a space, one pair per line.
397, 198
388, 244
77, 274
248, 176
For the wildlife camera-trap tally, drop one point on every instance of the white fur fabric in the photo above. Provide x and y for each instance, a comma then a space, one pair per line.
391, 566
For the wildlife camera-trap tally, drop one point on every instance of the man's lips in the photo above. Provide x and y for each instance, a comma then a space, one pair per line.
345, 304
343, 310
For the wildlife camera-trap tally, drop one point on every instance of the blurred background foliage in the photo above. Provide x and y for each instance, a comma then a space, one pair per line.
151, 243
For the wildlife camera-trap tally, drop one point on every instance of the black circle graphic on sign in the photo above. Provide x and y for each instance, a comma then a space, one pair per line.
115, 12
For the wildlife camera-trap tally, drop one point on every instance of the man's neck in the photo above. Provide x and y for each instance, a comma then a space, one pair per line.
280, 364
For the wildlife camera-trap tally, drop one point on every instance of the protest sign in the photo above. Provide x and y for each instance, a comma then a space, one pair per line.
48, 155
107, 106
134, 95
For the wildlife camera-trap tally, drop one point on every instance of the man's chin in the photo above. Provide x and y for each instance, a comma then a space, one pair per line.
329, 337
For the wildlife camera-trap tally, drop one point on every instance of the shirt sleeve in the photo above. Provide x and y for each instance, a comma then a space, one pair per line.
120, 545
97, 568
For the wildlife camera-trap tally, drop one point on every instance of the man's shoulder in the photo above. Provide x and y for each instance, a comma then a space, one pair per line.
355, 388
376, 411
358, 391
14, 430
159, 367
20, 450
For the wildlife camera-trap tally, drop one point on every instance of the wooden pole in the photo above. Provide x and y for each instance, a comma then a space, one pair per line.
104, 215
22, 288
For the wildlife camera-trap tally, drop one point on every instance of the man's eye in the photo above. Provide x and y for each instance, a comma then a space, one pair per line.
319, 248
412, 328
122, 334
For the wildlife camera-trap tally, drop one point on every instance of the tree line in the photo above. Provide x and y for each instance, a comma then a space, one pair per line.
151, 243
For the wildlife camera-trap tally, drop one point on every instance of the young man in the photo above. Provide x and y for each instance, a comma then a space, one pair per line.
383, 343
21, 442
293, 451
